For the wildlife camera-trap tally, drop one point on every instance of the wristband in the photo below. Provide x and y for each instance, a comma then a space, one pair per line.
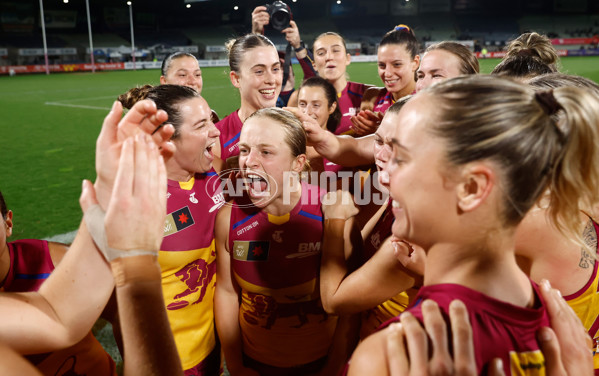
94, 220
301, 47
135, 269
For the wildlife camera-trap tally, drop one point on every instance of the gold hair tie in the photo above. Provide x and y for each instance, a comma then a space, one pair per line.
402, 27
547, 101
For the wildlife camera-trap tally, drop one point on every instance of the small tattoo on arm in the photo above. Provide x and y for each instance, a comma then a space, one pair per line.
589, 236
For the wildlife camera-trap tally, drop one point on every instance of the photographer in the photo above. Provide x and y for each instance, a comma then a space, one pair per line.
260, 18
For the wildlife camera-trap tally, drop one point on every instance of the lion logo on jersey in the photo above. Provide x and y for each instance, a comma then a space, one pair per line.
197, 276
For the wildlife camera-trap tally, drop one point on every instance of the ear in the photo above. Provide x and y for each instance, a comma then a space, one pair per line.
332, 108
299, 163
347, 59
8, 223
475, 186
415, 63
234, 79
162, 80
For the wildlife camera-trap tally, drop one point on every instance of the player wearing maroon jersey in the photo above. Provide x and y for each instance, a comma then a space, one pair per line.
269, 246
331, 60
398, 61
256, 72
461, 181
24, 265
187, 254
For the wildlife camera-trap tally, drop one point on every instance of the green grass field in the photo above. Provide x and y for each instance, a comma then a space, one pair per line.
49, 125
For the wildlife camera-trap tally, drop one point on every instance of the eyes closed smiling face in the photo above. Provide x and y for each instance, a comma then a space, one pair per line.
197, 135
422, 192
260, 78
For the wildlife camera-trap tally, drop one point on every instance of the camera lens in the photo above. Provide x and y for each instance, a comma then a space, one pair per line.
280, 20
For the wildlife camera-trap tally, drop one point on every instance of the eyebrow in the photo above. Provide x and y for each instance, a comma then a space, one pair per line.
395, 142
258, 146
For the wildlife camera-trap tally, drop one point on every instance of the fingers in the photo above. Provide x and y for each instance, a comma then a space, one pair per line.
363, 125
397, 353
417, 343
143, 115
551, 351
123, 185
88, 195
297, 112
435, 326
142, 166
496, 368
110, 125
463, 347
574, 341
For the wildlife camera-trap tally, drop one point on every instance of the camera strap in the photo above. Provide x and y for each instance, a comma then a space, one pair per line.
287, 64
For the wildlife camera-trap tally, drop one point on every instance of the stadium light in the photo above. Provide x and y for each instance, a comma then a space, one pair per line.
188, 6
65, 1
44, 36
338, 1
236, 7
91, 43
132, 36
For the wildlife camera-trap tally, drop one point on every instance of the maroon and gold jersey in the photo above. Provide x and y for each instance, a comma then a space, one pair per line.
230, 130
383, 101
276, 262
30, 265
350, 100
187, 259
499, 329
585, 302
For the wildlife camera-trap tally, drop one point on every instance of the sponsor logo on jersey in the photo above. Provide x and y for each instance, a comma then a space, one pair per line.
177, 221
305, 250
218, 200
529, 363
244, 250
192, 198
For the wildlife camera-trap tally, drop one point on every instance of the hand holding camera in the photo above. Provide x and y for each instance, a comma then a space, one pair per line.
277, 15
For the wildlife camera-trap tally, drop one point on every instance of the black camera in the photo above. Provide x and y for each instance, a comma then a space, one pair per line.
280, 15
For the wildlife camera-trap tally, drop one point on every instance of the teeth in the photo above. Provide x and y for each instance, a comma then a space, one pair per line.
395, 204
268, 92
390, 81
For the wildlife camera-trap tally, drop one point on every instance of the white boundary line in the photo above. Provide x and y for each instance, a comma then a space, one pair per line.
66, 238
77, 106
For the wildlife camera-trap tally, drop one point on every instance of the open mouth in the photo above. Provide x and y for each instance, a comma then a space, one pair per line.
257, 185
208, 151
390, 82
267, 92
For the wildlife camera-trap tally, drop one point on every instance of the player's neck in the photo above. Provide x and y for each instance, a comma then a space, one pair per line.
487, 266
285, 203
409, 89
340, 85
